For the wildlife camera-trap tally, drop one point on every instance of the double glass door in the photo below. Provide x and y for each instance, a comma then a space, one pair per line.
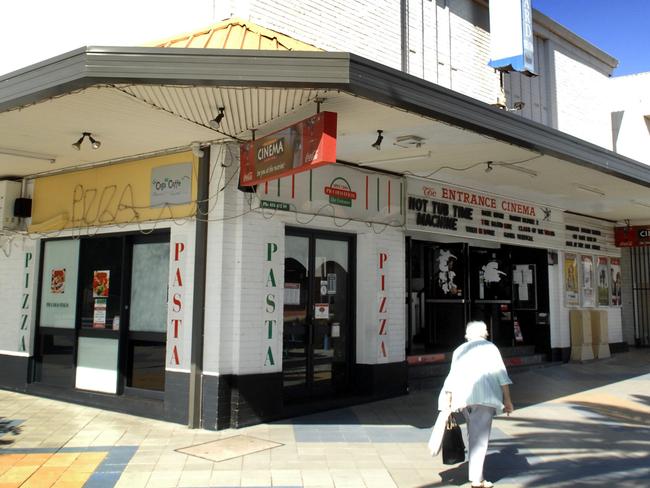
318, 306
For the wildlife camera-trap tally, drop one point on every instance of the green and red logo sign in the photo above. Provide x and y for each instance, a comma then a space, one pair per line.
340, 192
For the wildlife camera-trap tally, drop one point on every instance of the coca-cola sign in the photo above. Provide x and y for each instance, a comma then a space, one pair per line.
300, 147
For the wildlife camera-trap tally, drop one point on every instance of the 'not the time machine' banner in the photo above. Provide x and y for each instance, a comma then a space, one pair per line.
437, 207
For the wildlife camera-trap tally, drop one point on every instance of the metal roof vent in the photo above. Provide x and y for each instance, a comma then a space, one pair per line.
409, 141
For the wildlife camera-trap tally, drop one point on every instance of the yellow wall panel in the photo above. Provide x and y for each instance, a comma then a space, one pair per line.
113, 194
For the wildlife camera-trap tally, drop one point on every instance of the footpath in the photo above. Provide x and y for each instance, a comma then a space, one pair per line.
574, 425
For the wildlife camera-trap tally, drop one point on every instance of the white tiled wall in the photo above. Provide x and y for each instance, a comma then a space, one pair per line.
235, 337
12, 275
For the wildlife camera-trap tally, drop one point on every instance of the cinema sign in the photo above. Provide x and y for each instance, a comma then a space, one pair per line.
300, 147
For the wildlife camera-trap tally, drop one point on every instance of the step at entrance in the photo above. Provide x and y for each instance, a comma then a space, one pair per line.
430, 370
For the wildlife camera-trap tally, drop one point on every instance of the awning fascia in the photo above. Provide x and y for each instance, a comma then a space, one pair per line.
89, 66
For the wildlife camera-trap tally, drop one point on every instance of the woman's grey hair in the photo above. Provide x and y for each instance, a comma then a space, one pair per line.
476, 330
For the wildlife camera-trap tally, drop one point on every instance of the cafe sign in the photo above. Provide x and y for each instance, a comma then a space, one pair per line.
300, 147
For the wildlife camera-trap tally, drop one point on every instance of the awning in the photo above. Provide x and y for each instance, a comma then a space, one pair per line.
145, 100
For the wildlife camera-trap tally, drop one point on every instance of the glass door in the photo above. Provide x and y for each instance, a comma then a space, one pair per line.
318, 303
491, 291
147, 313
446, 295
100, 285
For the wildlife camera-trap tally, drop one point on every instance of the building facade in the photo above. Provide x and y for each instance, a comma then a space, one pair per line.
152, 280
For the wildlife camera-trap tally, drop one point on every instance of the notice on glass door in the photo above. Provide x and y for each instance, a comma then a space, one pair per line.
322, 311
101, 280
99, 314
292, 293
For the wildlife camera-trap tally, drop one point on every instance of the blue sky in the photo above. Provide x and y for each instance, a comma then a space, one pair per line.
621, 28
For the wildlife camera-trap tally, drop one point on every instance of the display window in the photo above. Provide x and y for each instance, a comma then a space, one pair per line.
103, 313
450, 284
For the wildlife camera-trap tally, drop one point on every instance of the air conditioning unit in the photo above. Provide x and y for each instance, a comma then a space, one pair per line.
9, 191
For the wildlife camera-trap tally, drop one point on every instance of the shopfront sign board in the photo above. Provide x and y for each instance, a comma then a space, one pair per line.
584, 234
300, 147
445, 209
339, 191
171, 185
511, 35
632, 236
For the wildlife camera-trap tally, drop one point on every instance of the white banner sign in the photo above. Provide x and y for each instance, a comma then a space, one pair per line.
444, 209
338, 191
590, 235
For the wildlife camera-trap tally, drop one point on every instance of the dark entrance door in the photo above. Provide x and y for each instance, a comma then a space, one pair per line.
491, 283
446, 295
318, 306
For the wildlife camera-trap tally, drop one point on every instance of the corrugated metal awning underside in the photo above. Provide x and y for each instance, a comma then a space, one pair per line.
138, 119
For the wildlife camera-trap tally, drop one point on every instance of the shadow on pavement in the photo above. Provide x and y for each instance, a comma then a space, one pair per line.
8, 427
498, 465
610, 448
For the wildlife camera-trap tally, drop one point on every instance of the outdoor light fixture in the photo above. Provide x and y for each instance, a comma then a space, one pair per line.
216, 122
377, 143
94, 142
488, 166
589, 189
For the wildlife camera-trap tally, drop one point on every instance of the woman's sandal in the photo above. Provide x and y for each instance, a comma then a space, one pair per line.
484, 484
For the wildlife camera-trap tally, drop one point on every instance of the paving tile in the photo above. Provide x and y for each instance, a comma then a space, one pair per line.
225, 478
133, 480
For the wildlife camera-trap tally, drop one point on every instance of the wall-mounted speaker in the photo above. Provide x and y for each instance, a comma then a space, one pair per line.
23, 207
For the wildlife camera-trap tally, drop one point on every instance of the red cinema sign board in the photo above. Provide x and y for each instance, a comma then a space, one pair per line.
632, 236
300, 147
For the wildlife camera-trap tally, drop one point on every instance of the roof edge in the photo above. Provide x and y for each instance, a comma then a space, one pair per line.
359, 76
573, 38
92, 65
383, 84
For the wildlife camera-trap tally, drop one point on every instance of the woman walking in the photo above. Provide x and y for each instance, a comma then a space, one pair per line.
477, 385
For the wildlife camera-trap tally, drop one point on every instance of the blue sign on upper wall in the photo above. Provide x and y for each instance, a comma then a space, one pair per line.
512, 45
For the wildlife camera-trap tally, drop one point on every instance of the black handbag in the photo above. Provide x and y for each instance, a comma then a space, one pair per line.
453, 447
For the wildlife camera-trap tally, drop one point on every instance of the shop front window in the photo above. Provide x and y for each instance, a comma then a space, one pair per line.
103, 309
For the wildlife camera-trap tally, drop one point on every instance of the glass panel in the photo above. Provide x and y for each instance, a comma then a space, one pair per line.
148, 365
97, 364
59, 284
101, 270
56, 363
330, 294
295, 336
149, 277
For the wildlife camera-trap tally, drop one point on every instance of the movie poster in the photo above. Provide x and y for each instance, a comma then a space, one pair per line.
571, 290
602, 278
615, 281
449, 270
587, 281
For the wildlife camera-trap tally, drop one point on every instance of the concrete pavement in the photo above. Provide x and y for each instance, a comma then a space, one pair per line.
574, 425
